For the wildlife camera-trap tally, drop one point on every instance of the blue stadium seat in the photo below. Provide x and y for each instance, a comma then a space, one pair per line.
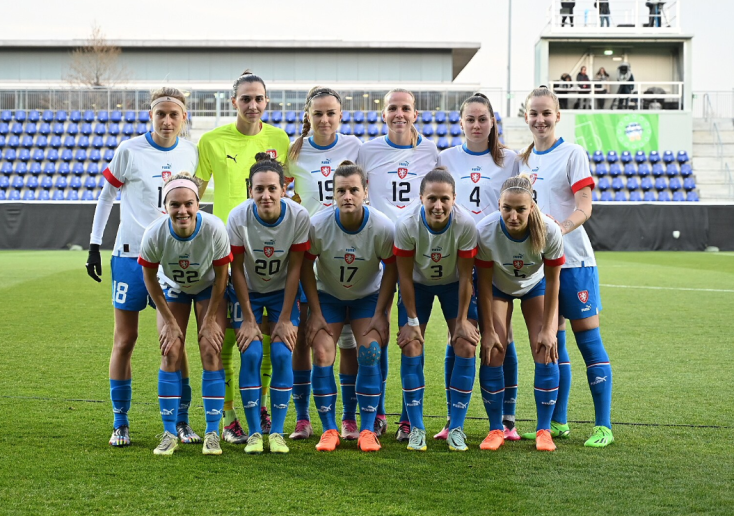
34, 116
29, 195
52, 155
58, 195
692, 196
75, 183
646, 184
21, 167
606, 195
69, 142
72, 195
49, 169
48, 116
346, 117
633, 184
601, 170
86, 129
77, 169
426, 117
44, 129
6, 168
44, 195
615, 170
95, 155
27, 142
4, 129
455, 130
113, 129
443, 143
14, 195
41, 142
654, 157
31, 128
58, 129
359, 130
640, 157
678, 196
17, 182
689, 184
101, 182
643, 170
498, 117
20, 115
372, 117
4, 182
499, 130
373, 130
64, 169
75, 116
108, 155
143, 117
617, 184
2, 141
141, 128
3, 197
612, 156
24, 155
671, 170
664, 196
441, 130
597, 157
290, 129
16, 129
276, 117
660, 184
440, 117
88, 116
383, 129
620, 196
658, 170
682, 157
83, 142
668, 157
454, 117
6, 116
103, 116
35, 168
92, 169
31, 182
111, 142
456, 141
97, 142
603, 184
129, 116
649, 196
428, 130
345, 129
72, 129
10, 154
290, 117
358, 117
67, 155
635, 195
128, 129
116, 116
47, 183
90, 183
88, 195
100, 129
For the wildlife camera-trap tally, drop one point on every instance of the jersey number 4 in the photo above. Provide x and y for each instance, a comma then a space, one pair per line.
474, 196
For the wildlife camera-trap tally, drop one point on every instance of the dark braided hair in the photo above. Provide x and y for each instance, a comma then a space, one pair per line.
265, 163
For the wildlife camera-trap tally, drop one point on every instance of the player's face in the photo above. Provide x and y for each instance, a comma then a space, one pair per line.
515, 210
399, 113
267, 192
168, 120
476, 122
541, 116
349, 193
182, 206
250, 101
438, 199
325, 115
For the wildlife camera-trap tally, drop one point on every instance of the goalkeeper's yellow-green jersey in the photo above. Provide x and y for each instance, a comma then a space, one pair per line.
227, 155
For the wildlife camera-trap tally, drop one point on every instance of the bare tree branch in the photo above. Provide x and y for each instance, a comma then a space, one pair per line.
96, 64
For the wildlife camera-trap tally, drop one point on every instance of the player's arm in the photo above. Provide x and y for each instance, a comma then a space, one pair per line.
101, 216
249, 330
547, 335
380, 321
581, 214
411, 331
202, 188
489, 339
169, 332
284, 329
210, 329
316, 321
463, 328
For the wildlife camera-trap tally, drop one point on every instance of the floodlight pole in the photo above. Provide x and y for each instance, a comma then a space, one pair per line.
509, 56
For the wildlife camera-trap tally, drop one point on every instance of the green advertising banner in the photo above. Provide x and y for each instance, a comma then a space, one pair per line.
605, 132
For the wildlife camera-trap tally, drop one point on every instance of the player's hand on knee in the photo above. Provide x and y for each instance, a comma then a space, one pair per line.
248, 333
170, 336
94, 263
547, 347
315, 324
467, 331
381, 325
285, 332
212, 334
490, 341
408, 334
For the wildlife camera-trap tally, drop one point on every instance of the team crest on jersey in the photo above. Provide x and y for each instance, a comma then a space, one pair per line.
272, 153
402, 172
268, 251
518, 264
184, 264
533, 177
326, 171
436, 257
476, 176
349, 258
583, 296
166, 174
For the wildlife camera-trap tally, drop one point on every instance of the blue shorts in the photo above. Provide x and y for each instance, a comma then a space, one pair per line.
448, 296
338, 311
177, 296
128, 286
537, 290
579, 296
272, 302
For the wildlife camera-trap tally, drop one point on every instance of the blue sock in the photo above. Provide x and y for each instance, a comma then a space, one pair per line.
281, 385
413, 385
212, 390
169, 396
560, 412
121, 394
383, 373
509, 368
185, 403
492, 381
302, 394
250, 386
324, 395
448, 368
368, 384
599, 374
546, 393
462, 383
349, 397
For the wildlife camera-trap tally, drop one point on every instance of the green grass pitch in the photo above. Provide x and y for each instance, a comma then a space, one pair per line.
673, 413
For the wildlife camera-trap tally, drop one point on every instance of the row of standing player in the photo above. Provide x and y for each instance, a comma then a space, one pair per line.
401, 153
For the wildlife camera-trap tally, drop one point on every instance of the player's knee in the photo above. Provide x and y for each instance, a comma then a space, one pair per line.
125, 339
464, 349
413, 349
369, 355
280, 356
321, 353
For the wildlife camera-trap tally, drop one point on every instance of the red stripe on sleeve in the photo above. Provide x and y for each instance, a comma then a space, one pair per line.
305, 246
587, 181
238, 249
223, 261
111, 179
309, 256
469, 253
403, 252
145, 263
483, 264
555, 263
389, 260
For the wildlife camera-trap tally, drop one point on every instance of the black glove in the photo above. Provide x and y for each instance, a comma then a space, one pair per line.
94, 263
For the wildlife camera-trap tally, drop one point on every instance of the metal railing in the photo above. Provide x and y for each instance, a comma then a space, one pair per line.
641, 95
713, 104
630, 16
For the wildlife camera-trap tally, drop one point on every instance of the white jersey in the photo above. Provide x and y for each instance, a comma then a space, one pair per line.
478, 178
140, 167
186, 264
557, 174
314, 170
394, 173
266, 246
348, 265
517, 268
435, 253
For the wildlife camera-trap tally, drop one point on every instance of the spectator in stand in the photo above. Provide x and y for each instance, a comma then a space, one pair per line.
601, 89
603, 12
656, 13
584, 89
624, 74
563, 89
567, 12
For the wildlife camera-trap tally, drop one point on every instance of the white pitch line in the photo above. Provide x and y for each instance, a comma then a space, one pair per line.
668, 288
